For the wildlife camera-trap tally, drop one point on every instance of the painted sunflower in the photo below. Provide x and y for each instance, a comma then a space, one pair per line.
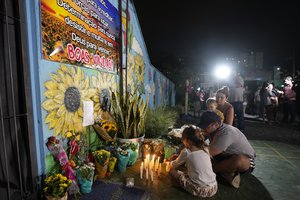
64, 95
103, 83
139, 68
131, 83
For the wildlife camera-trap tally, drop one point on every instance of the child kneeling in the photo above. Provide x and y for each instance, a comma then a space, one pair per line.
200, 179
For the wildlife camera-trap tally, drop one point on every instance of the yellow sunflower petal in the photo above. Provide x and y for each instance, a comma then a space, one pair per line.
80, 111
64, 69
92, 92
72, 71
71, 122
61, 74
62, 87
77, 123
49, 105
55, 77
51, 93
86, 84
50, 117
59, 125
94, 81
60, 96
52, 123
97, 106
61, 111
51, 85
68, 80
96, 97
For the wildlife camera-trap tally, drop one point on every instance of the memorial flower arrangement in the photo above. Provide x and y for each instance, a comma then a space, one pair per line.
109, 126
57, 185
86, 171
101, 156
106, 128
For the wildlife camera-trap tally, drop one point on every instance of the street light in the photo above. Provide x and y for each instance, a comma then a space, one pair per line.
222, 72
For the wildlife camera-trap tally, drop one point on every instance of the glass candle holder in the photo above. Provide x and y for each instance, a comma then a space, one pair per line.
129, 182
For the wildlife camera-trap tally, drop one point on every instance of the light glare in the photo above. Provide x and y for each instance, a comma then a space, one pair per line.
222, 72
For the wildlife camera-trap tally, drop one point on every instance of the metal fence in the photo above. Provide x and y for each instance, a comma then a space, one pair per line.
17, 171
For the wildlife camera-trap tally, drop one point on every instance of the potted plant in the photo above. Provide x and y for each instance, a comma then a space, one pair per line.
101, 157
129, 112
85, 176
56, 187
159, 120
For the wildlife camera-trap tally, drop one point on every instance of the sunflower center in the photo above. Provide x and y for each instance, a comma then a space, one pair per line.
72, 99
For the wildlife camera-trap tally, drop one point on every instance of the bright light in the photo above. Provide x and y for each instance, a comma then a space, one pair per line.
222, 72
278, 68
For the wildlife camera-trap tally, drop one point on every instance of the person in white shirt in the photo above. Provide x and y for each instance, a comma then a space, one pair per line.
200, 179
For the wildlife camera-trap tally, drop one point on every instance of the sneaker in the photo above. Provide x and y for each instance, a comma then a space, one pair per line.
236, 180
233, 179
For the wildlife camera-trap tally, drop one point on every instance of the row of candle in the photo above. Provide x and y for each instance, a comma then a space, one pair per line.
151, 166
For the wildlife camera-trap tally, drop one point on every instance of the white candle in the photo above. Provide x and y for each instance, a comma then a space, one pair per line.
167, 166
141, 170
159, 169
156, 164
151, 174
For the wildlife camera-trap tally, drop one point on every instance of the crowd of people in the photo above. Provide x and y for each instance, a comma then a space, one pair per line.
236, 99
217, 146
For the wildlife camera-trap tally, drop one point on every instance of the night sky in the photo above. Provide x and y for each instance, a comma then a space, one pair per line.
210, 30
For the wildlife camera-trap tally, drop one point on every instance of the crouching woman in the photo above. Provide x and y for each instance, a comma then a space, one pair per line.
200, 180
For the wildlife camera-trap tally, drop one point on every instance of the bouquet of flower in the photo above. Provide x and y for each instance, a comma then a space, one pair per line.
86, 171
56, 148
101, 156
107, 129
57, 185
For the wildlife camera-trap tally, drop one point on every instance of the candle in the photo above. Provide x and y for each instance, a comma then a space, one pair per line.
141, 170
146, 173
152, 162
151, 174
159, 169
167, 166
156, 164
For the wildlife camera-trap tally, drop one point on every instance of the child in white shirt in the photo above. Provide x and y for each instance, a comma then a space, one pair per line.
200, 179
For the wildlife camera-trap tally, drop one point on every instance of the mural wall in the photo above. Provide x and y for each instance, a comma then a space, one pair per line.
78, 71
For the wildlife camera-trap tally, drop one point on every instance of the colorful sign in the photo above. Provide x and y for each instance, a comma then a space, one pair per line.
81, 32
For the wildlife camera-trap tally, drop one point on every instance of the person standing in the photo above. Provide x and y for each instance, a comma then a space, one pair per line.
257, 102
236, 99
289, 105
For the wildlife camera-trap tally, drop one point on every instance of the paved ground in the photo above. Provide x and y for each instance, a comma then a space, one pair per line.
276, 176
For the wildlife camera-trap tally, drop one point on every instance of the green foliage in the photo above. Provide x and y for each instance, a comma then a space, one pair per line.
129, 113
158, 120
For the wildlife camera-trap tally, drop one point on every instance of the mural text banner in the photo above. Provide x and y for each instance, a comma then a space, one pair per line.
81, 32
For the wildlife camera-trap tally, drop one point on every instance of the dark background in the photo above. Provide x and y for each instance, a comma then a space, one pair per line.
206, 31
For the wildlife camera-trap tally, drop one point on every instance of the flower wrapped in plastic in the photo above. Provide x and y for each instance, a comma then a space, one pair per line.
85, 177
111, 164
56, 148
123, 159
132, 148
106, 129
101, 157
56, 186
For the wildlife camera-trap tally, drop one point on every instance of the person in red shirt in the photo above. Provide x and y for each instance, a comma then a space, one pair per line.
289, 106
